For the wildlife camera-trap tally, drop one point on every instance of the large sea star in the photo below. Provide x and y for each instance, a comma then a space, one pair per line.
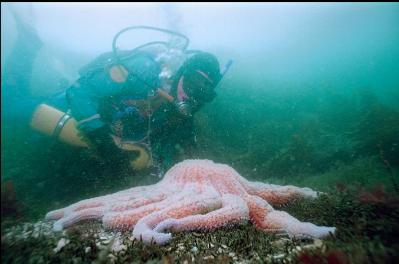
193, 195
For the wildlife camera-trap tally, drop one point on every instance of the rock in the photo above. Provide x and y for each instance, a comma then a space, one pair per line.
61, 243
181, 248
118, 245
279, 256
318, 242
194, 249
280, 242
87, 250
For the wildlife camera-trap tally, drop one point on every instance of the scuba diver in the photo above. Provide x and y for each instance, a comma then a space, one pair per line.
135, 108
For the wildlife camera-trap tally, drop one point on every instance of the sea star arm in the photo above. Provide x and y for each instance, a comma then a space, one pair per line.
295, 228
266, 218
126, 220
117, 206
73, 208
149, 228
94, 208
74, 217
124, 217
278, 194
233, 210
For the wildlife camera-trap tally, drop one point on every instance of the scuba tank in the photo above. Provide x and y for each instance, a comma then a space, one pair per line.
53, 122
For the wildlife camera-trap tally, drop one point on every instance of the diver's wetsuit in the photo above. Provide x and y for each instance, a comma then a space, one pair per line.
96, 92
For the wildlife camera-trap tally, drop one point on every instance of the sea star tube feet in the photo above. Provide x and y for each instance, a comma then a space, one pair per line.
193, 195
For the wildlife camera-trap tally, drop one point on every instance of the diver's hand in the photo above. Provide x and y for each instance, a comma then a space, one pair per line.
105, 146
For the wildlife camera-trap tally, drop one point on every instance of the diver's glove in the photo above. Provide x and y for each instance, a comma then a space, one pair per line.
107, 150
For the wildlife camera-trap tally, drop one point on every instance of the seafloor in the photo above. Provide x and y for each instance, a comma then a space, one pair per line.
367, 232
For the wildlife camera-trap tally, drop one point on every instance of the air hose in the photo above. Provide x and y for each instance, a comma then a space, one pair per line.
114, 42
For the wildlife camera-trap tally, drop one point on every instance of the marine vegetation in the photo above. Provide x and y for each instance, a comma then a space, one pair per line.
348, 152
361, 237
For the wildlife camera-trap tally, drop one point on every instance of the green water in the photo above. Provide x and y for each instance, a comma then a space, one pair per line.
312, 99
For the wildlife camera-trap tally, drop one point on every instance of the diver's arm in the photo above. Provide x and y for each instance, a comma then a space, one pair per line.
85, 94
84, 104
84, 100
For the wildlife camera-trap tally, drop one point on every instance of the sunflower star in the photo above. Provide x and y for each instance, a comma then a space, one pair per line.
193, 195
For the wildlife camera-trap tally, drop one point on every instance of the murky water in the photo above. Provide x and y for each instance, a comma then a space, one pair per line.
311, 99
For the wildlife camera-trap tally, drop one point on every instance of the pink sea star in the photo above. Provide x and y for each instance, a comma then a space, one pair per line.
194, 194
